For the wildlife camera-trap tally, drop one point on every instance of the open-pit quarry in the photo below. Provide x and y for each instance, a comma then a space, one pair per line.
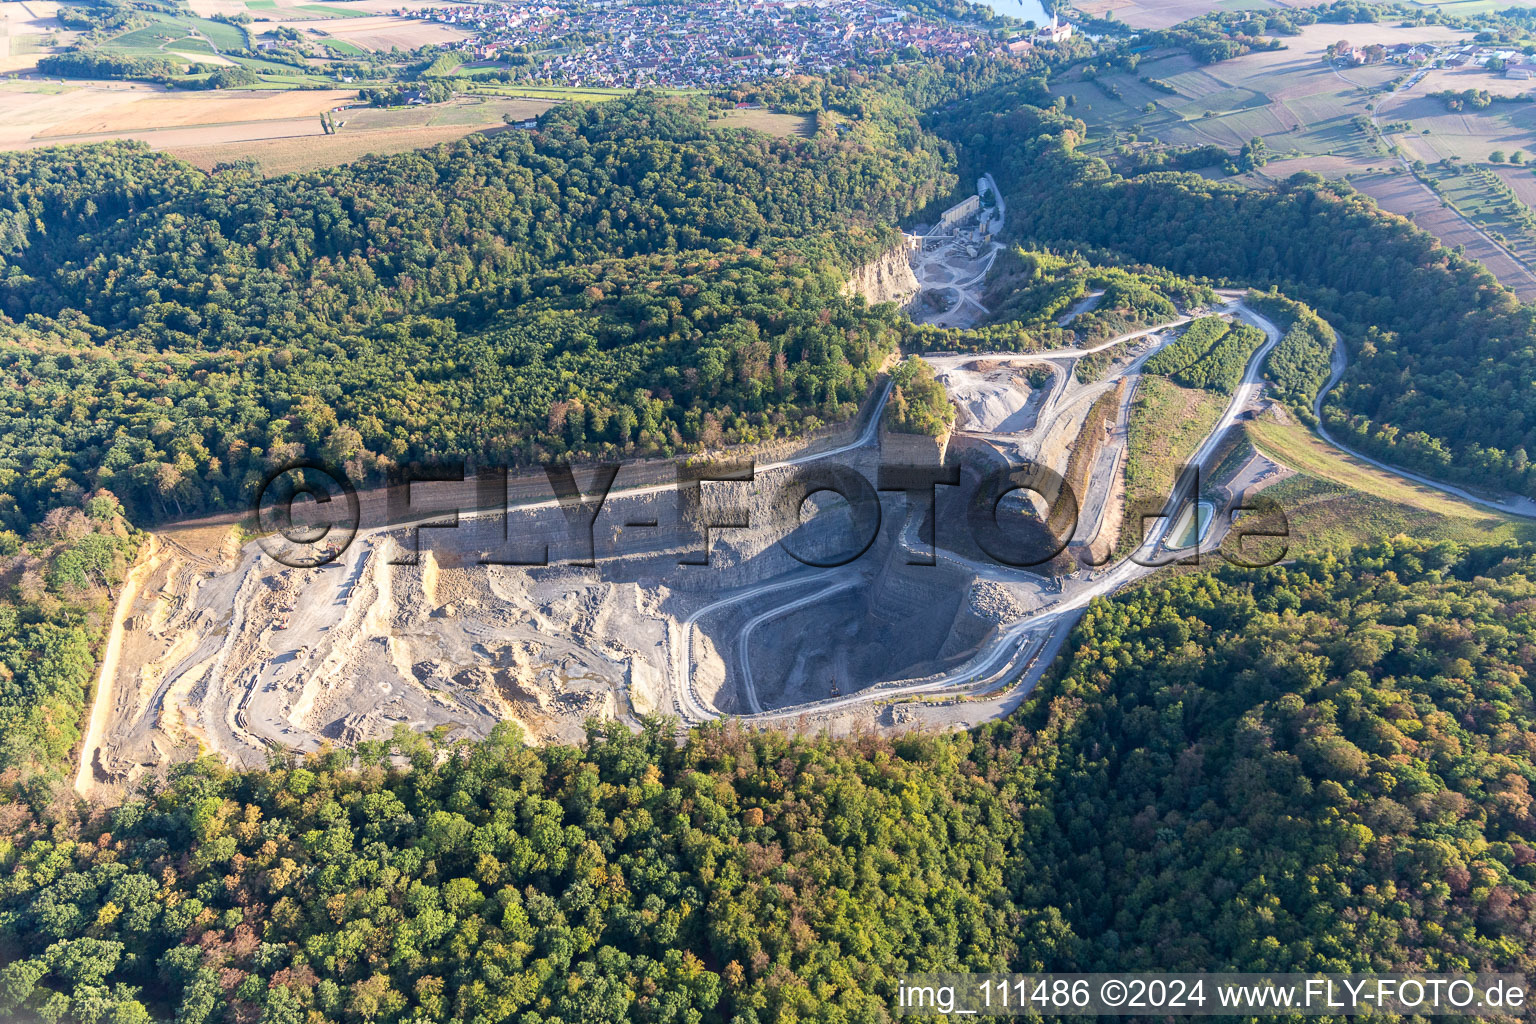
820, 612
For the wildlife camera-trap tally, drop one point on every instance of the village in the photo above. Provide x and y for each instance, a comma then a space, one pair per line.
1513, 63
708, 44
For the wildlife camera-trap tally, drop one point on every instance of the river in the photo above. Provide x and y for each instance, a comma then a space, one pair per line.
1024, 10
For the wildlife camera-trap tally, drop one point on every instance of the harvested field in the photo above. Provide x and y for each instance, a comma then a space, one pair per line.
287, 156
306, 128
560, 94
1327, 166
474, 111
1522, 180
264, 10
376, 32
782, 125
24, 33
1459, 79
1404, 194
191, 110
29, 110
36, 17
1467, 8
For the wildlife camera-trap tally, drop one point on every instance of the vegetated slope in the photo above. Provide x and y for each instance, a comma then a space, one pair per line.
1442, 358
1030, 292
918, 403
1221, 368
55, 586
1318, 766
623, 280
741, 877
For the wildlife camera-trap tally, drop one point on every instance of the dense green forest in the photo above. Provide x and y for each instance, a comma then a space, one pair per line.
1220, 367
1029, 291
624, 281
1189, 347
1303, 360
1320, 766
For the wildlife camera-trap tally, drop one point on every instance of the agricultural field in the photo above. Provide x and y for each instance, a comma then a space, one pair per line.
1522, 179
167, 32
1465, 8
183, 110
369, 31
1290, 98
47, 113
1483, 197
331, 11
341, 47
354, 27
1156, 14
1402, 193
263, 10
561, 94
1313, 117
1472, 135
474, 111
280, 130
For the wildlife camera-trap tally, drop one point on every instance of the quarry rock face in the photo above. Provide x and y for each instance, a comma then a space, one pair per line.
886, 279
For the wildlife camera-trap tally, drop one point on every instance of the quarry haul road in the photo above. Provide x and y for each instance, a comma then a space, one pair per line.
744, 637
697, 708
106, 674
